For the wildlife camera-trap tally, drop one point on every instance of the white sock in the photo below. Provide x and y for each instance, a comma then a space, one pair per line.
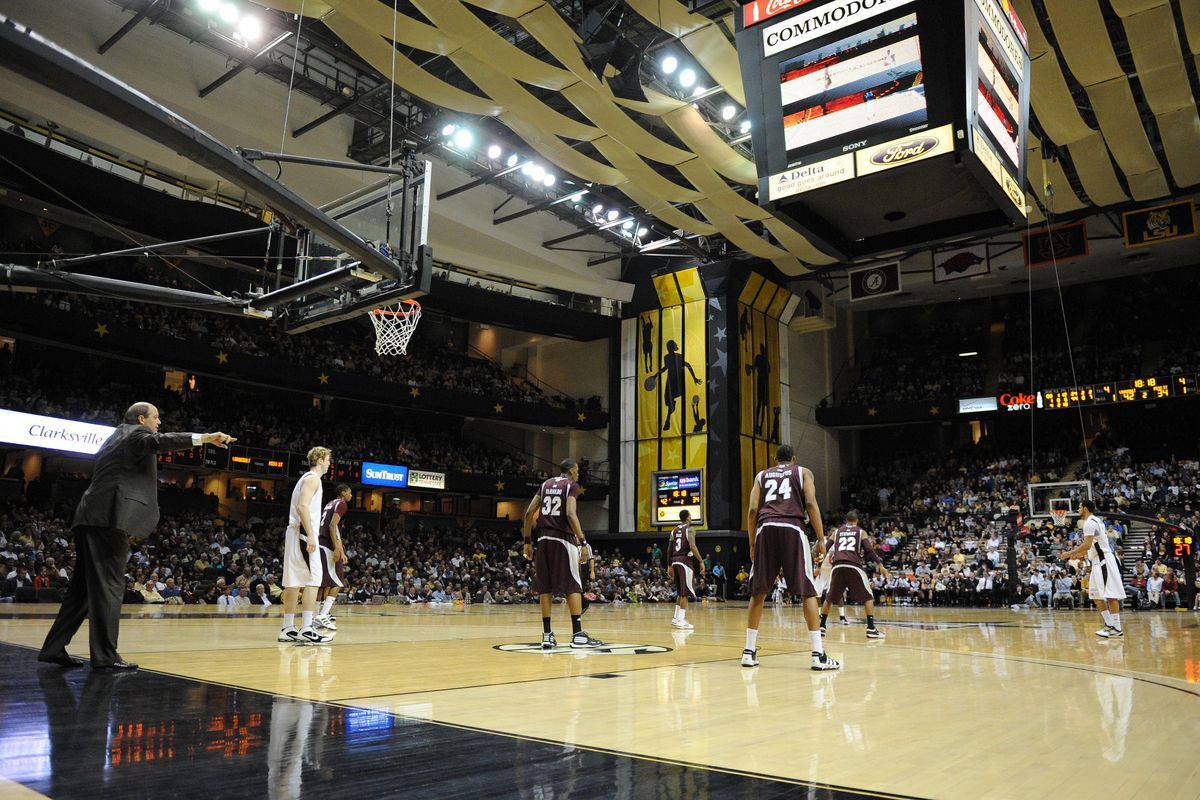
682, 615
327, 606
1116, 619
751, 639
289, 620
1107, 617
841, 612
676, 617
817, 645
307, 616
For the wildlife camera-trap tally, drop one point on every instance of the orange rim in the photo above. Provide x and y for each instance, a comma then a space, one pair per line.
413, 308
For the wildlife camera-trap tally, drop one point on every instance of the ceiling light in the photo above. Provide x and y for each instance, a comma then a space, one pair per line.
745, 126
463, 138
512, 160
229, 12
699, 90
538, 172
527, 168
968, 354
641, 232
627, 224
448, 128
208, 6
613, 214
549, 179
669, 64
494, 152
728, 111
597, 210
250, 28
687, 78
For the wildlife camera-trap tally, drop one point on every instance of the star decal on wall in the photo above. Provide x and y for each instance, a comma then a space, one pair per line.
323, 378
101, 330
498, 408
222, 357
499, 486
872, 412
415, 392
582, 417
934, 410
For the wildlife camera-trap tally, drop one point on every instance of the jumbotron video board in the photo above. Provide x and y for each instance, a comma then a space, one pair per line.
674, 491
880, 124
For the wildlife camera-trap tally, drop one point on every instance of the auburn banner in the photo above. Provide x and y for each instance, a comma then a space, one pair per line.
871, 282
1054, 245
1163, 223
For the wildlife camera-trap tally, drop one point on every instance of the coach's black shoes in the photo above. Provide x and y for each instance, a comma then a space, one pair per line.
822, 661
548, 641
116, 667
581, 641
63, 660
749, 658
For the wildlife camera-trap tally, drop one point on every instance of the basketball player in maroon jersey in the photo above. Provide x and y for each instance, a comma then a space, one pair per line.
848, 544
333, 554
559, 552
682, 555
783, 503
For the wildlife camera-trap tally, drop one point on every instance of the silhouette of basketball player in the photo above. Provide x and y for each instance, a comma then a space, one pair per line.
761, 369
673, 365
648, 343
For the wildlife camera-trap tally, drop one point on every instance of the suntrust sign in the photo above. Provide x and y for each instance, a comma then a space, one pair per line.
805, 27
384, 475
52, 433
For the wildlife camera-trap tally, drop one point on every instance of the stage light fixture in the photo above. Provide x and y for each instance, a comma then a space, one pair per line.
687, 78
229, 12
728, 112
448, 129
512, 160
745, 126
549, 179
597, 210
527, 168
463, 138
669, 65
494, 152
250, 28
208, 6
627, 224
613, 214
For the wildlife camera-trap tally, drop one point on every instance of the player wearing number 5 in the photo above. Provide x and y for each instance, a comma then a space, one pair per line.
559, 552
848, 545
783, 504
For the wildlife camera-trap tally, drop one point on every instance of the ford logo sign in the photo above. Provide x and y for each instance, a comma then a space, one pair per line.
904, 151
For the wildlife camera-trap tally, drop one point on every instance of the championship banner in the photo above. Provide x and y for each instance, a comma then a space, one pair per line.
1163, 223
872, 282
956, 265
1053, 245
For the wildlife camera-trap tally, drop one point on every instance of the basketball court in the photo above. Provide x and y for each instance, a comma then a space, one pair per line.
986, 703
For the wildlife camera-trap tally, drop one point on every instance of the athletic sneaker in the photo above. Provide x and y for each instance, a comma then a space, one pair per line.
581, 641
683, 625
875, 633
822, 630
289, 634
822, 661
749, 658
325, 622
548, 641
1111, 633
843, 621
1105, 631
311, 636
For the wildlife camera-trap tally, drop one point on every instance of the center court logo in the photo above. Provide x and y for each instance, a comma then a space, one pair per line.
606, 650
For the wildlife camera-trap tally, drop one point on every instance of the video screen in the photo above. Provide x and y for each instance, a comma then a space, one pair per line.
997, 104
676, 491
870, 82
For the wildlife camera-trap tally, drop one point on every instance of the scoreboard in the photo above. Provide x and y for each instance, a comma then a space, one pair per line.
1130, 391
675, 491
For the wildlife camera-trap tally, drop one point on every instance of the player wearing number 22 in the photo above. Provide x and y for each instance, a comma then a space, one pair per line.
848, 545
560, 549
783, 506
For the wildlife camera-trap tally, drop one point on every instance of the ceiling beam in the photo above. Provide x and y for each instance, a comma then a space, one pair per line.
126, 28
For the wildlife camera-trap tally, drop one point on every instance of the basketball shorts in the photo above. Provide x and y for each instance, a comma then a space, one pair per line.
782, 547
300, 567
1105, 581
685, 579
848, 579
556, 567
333, 573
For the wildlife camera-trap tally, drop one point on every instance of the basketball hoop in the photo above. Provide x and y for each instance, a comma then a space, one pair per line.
394, 326
1059, 515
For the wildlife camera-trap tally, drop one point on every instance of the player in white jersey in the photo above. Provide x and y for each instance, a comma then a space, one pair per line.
302, 570
1105, 585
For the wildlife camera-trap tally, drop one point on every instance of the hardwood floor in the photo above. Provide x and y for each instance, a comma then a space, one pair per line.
438, 702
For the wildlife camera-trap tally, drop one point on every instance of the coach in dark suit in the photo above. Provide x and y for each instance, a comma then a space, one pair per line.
120, 503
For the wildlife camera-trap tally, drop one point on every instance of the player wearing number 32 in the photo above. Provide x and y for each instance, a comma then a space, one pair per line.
559, 552
783, 504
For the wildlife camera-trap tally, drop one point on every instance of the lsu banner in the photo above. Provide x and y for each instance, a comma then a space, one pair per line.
1163, 223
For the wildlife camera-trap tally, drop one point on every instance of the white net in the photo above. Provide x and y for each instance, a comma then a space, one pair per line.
1059, 515
394, 326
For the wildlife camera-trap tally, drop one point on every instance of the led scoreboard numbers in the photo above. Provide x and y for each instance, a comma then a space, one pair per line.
675, 491
1182, 545
258, 462
1131, 391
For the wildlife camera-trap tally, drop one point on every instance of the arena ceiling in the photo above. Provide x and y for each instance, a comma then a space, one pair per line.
1114, 97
